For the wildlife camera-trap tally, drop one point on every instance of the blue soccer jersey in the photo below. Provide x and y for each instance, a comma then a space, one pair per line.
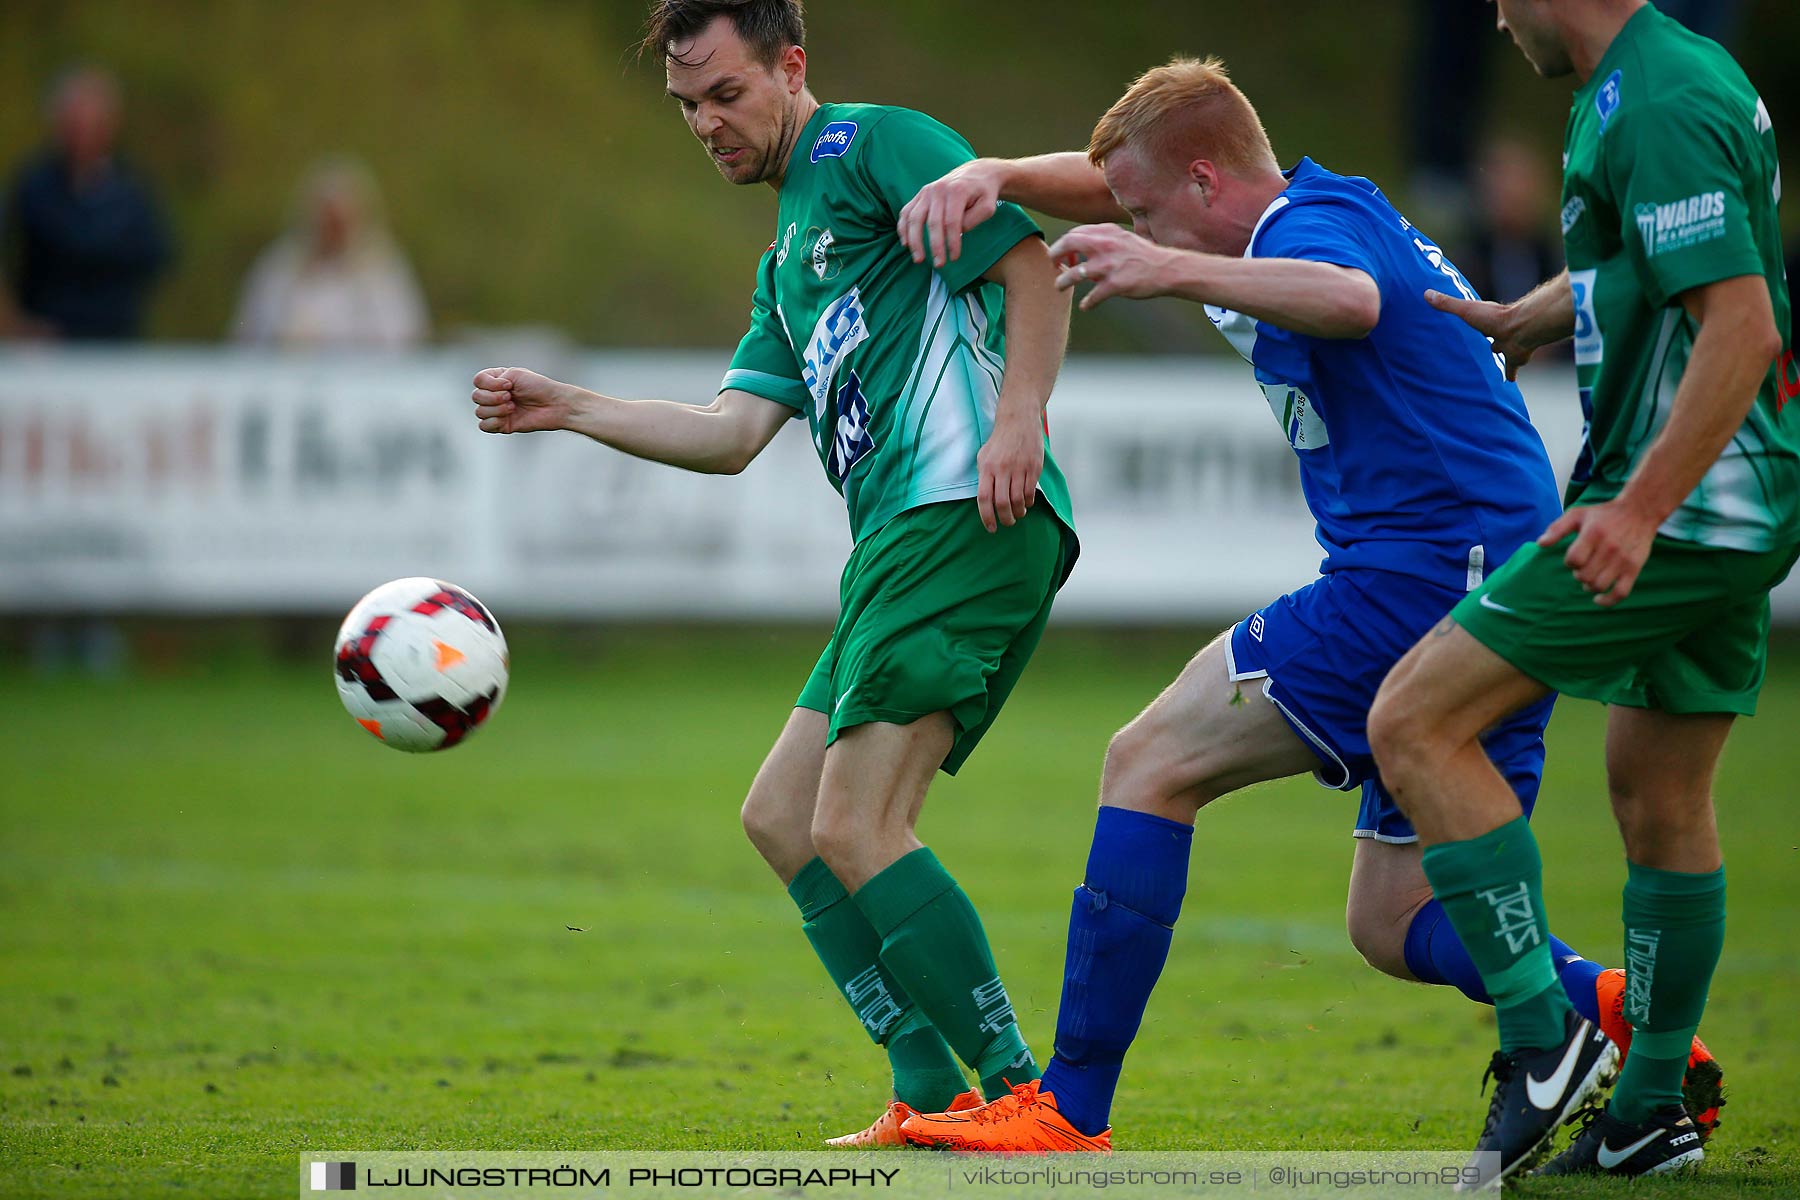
1416, 454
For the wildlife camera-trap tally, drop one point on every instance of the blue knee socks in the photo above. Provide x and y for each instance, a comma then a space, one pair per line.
1120, 927
1434, 954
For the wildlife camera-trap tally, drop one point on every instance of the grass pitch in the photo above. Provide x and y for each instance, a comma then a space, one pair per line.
233, 928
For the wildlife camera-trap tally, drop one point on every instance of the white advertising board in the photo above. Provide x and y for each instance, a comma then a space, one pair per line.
203, 480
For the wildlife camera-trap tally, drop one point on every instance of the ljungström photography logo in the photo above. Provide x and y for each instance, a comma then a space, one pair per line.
333, 1177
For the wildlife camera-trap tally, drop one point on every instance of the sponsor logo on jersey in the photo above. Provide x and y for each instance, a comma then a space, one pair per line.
850, 440
1590, 342
835, 141
1787, 381
842, 327
1683, 223
1256, 626
1572, 212
1606, 101
1301, 422
786, 239
821, 254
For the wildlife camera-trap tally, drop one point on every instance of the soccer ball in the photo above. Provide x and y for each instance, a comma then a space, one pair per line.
420, 664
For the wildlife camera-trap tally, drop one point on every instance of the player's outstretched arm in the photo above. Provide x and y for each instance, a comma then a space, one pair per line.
1544, 316
1314, 298
720, 438
1037, 333
1066, 186
1737, 342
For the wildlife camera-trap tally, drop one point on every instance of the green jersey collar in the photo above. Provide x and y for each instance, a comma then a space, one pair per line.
1608, 66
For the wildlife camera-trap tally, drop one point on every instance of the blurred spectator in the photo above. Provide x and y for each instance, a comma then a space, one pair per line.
1451, 66
336, 278
1513, 245
1451, 56
84, 237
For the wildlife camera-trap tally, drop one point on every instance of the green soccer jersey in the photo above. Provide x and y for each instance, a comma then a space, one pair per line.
1671, 182
895, 366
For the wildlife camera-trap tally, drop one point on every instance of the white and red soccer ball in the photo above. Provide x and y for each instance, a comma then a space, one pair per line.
420, 664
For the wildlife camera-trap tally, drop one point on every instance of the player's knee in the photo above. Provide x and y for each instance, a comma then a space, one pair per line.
759, 819
1400, 734
1140, 774
1377, 936
1657, 817
779, 834
835, 838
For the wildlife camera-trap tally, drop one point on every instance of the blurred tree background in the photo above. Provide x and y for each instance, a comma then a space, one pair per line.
536, 174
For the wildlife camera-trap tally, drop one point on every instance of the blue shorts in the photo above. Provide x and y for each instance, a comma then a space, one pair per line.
1322, 653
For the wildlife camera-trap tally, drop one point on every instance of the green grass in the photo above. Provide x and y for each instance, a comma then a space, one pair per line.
232, 928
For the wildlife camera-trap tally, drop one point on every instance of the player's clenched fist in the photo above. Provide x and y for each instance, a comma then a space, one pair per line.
1116, 261
514, 400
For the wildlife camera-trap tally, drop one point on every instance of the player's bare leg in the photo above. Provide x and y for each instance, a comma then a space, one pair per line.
933, 950
1426, 730
1202, 738
1387, 889
1659, 770
871, 792
778, 812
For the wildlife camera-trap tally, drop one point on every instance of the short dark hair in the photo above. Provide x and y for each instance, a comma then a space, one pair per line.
767, 26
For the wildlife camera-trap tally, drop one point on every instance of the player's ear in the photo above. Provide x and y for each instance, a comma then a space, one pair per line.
1203, 175
793, 69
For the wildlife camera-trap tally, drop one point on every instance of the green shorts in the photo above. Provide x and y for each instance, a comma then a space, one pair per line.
1693, 636
939, 615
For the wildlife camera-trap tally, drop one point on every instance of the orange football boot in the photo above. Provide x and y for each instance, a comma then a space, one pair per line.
1702, 1088
886, 1129
1026, 1122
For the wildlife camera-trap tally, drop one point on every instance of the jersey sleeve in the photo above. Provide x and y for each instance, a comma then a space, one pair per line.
907, 150
1676, 170
1317, 233
764, 364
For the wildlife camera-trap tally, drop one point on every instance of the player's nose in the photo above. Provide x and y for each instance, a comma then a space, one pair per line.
707, 121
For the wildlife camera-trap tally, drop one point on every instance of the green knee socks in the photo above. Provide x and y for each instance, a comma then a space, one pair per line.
932, 940
1674, 931
926, 1074
1492, 890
